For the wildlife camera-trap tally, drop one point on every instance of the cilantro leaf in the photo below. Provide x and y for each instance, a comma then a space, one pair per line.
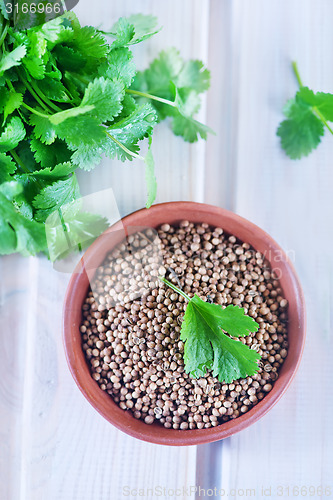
194, 76
7, 167
119, 65
208, 347
189, 128
174, 87
164, 69
59, 171
69, 58
81, 230
17, 233
90, 42
130, 130
307, 115
49, 155
12, 135
54, 196
301, 132
105, 96
14, 101
12, 58
53, 89
123, 31
43, 128
145, 26
320, 100
81, 130
133, 29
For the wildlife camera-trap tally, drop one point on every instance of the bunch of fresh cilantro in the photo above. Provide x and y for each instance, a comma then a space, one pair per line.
68, 97
307, 115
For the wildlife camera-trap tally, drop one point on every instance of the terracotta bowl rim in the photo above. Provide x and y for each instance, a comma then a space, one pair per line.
125, 421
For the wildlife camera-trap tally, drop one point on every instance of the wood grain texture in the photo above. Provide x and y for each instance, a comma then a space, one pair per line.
53, 444
293, 444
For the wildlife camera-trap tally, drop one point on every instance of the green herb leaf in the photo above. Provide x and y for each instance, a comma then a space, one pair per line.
17, 233
105, 96
12, 135
53, 196
12, 58
307, 115
14, 101
7, 167
119, 65
130, 131
49, 155
207, 347
194, 76
81, 230
301, 132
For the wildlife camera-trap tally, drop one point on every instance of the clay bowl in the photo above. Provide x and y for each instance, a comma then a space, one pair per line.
171, 213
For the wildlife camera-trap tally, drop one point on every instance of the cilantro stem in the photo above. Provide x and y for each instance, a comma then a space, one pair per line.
32, 92
322, 118
151, 96
315, 109
298, 78
34, 111
4, 33
124, 148
45, 99
19, 161
176, 289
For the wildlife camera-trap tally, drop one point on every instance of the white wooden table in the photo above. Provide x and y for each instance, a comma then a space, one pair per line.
54, 446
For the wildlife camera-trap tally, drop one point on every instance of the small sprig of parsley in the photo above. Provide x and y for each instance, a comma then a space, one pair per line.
207, 347
307, 115
68, 97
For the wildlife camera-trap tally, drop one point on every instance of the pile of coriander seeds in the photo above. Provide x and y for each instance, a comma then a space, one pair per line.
131, 323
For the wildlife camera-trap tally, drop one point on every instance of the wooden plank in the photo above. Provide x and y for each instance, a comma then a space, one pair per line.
53, 444
292, 445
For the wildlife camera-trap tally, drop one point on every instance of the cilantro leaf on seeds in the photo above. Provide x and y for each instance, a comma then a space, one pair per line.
207, 347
